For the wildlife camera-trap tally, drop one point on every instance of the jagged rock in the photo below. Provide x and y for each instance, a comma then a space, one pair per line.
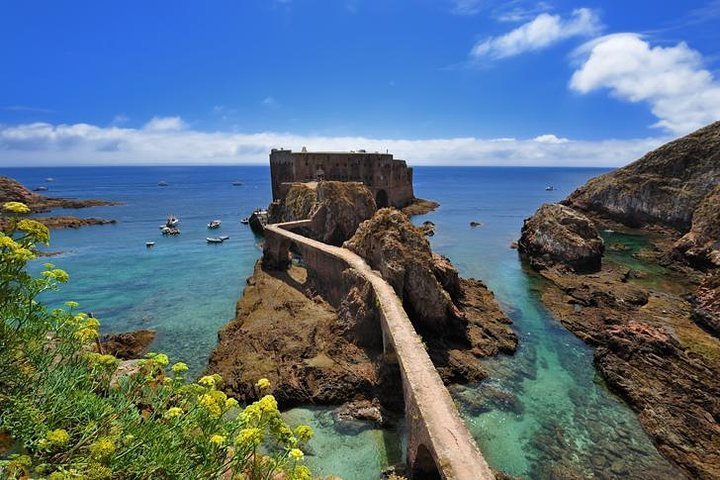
391, 244
701, 245
664, 187
336, 208
128, 345
366, 410
557, 234
706, 304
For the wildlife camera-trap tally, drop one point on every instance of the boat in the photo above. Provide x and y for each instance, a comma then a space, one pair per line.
163, 183
224, 237
172, 221
40, 189
549, 188
237, 183
214, 240
214, 224
245, 220
49, 179
170, 230
149, 244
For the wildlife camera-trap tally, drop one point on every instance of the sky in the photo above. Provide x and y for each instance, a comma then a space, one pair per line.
437, 82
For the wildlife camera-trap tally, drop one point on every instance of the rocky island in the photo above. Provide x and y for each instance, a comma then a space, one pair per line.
652, 313
12, 191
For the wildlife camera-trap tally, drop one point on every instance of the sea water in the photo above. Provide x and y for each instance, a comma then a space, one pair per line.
542, 411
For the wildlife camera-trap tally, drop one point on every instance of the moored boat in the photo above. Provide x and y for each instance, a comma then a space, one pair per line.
245, 220
149, 244
40, 189
163, 183
237, 183
214, 224
214, 240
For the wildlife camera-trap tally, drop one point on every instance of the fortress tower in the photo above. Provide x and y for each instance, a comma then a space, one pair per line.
389, 180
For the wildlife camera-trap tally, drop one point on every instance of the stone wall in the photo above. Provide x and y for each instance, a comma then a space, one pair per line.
390, 180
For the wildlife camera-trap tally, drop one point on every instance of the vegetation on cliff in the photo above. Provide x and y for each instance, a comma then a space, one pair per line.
69, 414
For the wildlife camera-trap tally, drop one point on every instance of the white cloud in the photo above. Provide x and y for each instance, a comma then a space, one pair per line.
466, 7
681, 93
517, 11
269, 102
542, 32
161, 124
83, 144
550, 138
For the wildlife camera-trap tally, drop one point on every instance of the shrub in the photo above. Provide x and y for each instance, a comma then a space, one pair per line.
72, 416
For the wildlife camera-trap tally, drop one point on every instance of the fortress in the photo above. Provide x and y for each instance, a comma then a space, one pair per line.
390, 180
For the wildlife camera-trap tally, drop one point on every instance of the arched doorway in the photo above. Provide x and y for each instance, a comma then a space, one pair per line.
381, 199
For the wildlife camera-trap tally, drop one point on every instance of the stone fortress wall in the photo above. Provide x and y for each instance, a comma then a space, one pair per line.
390, 180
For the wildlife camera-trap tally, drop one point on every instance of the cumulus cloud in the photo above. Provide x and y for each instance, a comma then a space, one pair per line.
681, 93
542, 32
162, 124
84, 144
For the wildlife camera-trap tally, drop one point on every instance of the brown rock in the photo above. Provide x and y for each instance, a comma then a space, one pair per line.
127, 345
556, 234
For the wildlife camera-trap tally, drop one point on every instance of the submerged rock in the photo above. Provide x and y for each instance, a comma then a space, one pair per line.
557, 234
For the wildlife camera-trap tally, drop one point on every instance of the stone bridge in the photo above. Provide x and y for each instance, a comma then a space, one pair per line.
439, 443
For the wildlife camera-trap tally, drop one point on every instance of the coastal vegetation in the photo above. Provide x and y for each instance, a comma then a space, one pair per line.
66, 411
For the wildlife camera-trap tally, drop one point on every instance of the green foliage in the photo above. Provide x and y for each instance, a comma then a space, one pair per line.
73, 416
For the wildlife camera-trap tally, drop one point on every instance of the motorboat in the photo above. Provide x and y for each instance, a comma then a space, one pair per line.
224, 237
214, 224
214, 240
237, 183
149, 244
170, 230
41, 188
163, 183
49, 179
549, 188
172, 221
245, 220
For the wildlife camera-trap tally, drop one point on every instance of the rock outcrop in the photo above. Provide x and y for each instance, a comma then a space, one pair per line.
336, 208
664, 187
13, 191
557, 234
127, 345
701, 244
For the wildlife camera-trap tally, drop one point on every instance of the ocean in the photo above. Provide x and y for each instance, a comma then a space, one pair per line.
543, 411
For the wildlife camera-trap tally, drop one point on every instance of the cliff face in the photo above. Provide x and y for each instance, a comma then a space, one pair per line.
664, 187
336, 208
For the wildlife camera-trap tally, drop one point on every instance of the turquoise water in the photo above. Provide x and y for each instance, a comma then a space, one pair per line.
541, 409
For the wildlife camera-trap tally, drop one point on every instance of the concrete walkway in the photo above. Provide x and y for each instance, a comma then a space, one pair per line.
436, 433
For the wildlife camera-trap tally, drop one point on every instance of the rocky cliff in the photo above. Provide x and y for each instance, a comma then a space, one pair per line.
664, 187
655, 329
336, 208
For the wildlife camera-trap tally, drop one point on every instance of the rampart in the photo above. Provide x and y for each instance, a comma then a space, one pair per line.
439, 443
390, 180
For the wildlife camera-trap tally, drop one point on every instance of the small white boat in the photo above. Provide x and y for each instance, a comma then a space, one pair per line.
49, 179
224, 237
549, 188
214, 224
163, 183
149, 244
214, 239
172, 221
245, 220
40, 189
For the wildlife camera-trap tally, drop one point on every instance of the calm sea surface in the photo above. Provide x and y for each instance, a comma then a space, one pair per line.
543, 412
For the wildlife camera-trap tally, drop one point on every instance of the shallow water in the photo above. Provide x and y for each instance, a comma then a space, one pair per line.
543, 408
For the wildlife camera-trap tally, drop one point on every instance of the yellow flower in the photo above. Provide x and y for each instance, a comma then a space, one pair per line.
56, 274
7, 242
300, 472
86, 334
263, 383
179, 367
209, 380
70, 303
15, 207
161, 359
217, 439
249, 437
35, 230
58, 438
102, 448
304, 432
296, 454
173, 412
267, 403
230, 403
210, 404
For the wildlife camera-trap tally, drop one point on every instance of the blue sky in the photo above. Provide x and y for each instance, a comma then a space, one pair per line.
437, 81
